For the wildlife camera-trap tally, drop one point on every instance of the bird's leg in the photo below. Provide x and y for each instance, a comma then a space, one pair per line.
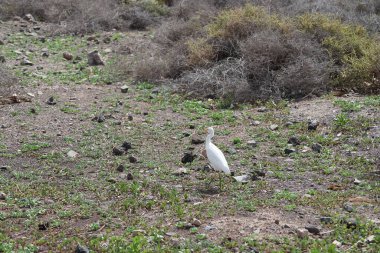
220, 181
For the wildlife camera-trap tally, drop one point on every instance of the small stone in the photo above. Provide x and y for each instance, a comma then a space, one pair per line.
286, 226
3, 196
72, 154
81, 249
262, 109
100, 118
129, 176
370, 239
288, 151
209, 228
347, 207
126, 145
45, 52
43, 226
277, 222
230, 150
26, 62
94, 59
120, 168
273, 127
51, 101
326, 220
132, 159
337, 243
130, 117
242, 179
312, 125
117, 151
124, 88
108, 50
294, 141
29, 17
252, 143
357, 181
107, 40
67, 56
2, 59
255, 123
180, 172
312, 229
301, 233
196, 222
289, 123
111, 180
351, 223
188, 157
4, 168
316, 147
196, 139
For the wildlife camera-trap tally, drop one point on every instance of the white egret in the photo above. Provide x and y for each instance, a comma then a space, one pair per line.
215, 156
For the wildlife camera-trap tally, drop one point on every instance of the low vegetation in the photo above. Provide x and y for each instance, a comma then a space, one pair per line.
250, 54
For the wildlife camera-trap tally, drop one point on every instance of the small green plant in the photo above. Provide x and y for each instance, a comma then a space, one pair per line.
236, 141
348, 106
341, 121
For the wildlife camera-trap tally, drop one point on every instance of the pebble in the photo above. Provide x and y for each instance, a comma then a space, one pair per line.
120, 168
316, 147
124, 88
196, 222
129, 176
326, 220
188, 157
72, 154
312, 229
370, 239
357, 181
196, 139
51, 101
132, 159
26, 62
81, 249
117, 151
347, 207
252, 143
180, 171
255, 123
312, 125
3, 196
294, 141
301, 233
337, 243
262, 109
67, 56
273, 127
288, 151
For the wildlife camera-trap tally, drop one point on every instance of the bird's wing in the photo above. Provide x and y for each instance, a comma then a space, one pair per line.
217, 159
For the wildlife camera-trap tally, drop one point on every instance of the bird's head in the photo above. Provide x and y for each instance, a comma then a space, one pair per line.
210, 131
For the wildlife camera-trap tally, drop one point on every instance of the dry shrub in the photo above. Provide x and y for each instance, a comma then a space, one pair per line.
249, 54
225, 79
7, 81
81, 16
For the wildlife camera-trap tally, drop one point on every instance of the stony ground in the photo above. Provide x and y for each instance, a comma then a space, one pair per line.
103, 169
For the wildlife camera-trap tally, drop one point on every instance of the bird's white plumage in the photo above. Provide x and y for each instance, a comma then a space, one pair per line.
215, 156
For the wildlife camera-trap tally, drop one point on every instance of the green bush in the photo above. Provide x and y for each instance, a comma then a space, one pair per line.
351, 47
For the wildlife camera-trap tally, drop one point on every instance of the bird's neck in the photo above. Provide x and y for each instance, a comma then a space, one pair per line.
208, 139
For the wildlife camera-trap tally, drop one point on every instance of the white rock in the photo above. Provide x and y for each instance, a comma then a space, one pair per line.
242, 178
72, 154
337, 243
